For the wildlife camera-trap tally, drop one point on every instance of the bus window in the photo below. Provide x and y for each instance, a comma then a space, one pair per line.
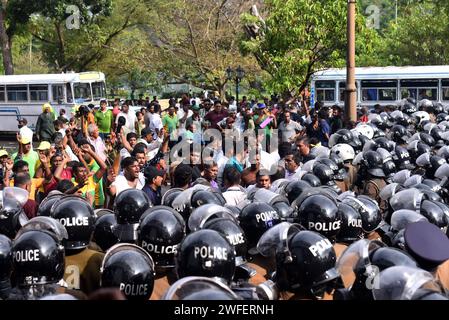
325, 91
2, 93
98, 90
420, 89
82, 92
445, 87
17, 93
58, 93
387, 94
38, 92
69, 93
369, 94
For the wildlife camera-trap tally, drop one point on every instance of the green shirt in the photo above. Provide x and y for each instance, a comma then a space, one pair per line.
104, 120
31, 158
267, 128
170, 123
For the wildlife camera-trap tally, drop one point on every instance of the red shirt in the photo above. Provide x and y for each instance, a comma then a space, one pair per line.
364, 118
215, 117
30, 208
65, 175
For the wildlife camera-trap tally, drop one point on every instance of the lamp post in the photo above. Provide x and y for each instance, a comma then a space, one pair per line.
237, 74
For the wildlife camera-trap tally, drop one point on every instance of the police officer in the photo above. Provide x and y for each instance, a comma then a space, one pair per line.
372, 177
82, 265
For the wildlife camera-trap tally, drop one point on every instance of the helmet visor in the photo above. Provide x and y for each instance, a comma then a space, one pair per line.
407, 199
46, 224
401, 218
205, 212
184, 287
401, 176
276, 238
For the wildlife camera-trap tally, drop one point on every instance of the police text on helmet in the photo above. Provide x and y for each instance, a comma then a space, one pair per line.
150, 247
74, 221
320, 246
134, 289
27, 255
211, 253
266, 216
235, 239
324, 226
356, 223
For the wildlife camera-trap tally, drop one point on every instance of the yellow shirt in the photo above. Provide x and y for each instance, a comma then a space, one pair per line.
36, 183
88, 187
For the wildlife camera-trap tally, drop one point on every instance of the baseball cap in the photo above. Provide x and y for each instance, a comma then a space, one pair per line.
152, 172
261, 106
195, 107
25, 140
146, 131
3, 153
44, 145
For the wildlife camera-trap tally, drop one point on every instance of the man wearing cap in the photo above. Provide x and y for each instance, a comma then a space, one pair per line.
26, 154
44, 125
104, 119
152, 145
153, 182
24, 131
429, 246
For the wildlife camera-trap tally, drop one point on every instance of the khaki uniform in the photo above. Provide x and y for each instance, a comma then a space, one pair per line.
342, 186
82, 270
339, 248
161, 284
352, 176
442, 274
372, 188
264, 267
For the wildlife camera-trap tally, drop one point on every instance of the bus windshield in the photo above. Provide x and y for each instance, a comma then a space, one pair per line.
99, 90
82, 92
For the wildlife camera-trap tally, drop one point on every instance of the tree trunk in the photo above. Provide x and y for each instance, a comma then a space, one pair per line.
5, 42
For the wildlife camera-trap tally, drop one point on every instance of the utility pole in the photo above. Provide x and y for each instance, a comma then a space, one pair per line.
396, 12
351, 89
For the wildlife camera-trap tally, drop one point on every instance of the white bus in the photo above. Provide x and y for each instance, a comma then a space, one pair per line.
382, 85
22, 96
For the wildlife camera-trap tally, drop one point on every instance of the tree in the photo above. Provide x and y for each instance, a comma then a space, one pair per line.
299, 37
198, 40
419, 38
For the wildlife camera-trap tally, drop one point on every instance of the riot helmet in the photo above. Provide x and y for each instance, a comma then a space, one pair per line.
399, 134
307, 265
129, 268
206, 253
401, 157
77, 216
170, 195
199, 288
103, 234
344, 151
351, 224
385, 257
311, 179
47, 203
129, 206
319, 213
436, 213
161, 232
324, 173
5, 266
234, 233
372, 161
202, 197
38, 258
207, 212
368, 209
255, 219
12, 216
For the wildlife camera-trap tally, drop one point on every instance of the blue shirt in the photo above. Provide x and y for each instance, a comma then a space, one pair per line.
323, 129
155, 196
234, 163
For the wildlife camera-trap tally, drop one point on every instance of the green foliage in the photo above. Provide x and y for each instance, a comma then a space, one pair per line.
300, 37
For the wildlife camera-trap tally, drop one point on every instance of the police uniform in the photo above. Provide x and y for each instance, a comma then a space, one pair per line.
342, 185
442, 274
162, 283
339, 248
263, 266
82, 270
372, 189
351, 178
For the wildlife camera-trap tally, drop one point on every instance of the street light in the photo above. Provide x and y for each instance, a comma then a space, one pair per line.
237, 75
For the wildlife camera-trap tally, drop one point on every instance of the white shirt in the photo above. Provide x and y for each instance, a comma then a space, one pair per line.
130, 121
124, 154
234, 195
155, 122
121, 184
99, 146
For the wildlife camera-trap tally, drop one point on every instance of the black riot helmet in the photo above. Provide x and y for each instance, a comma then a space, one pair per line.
402, 158
161, 231
235, 235
130, 269
38, 258
129, 206
48, 202
206, 253
311, 179
386, 257
308, 264
368, 209
324, 173
399, 134
255, 219
170, 195
436, 212
12, 216
383, 142
320, 213
372, 161
103, 231
351, 224
199, 288
201, 197
409, 107
427, 139
295, 188
77, 216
